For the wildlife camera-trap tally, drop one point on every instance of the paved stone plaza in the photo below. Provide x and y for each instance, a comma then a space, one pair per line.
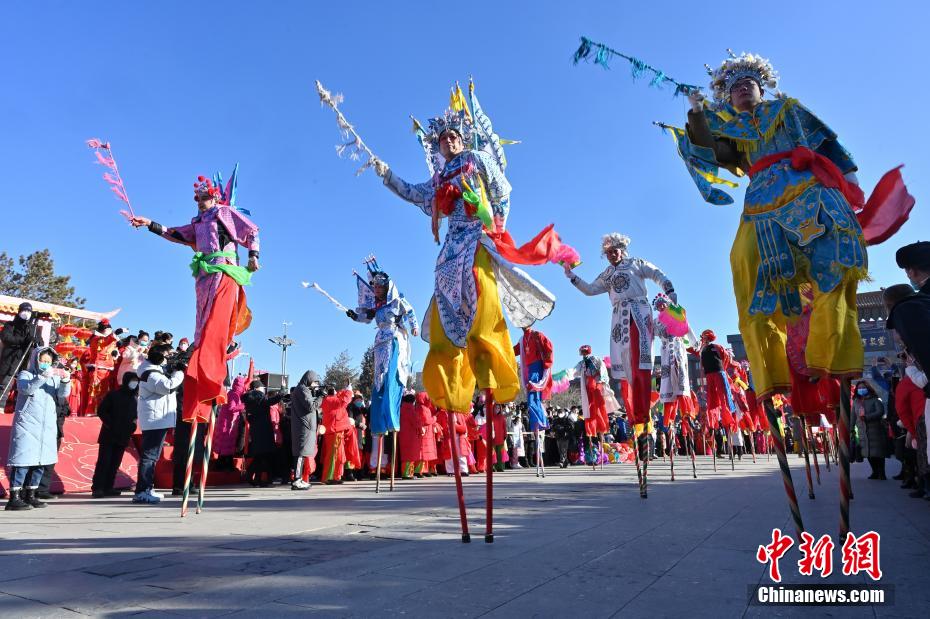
579, 543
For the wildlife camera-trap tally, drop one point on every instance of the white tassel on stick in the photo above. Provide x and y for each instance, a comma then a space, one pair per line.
355, 146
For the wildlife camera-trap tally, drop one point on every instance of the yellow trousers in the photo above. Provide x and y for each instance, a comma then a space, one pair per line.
450, 373
834, 345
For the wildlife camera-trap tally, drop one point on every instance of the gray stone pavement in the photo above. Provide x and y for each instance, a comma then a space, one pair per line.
579, 543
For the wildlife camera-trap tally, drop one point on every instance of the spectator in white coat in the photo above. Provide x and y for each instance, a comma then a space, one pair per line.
157, 414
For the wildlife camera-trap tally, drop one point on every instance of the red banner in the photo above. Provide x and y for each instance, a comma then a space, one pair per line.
76, 458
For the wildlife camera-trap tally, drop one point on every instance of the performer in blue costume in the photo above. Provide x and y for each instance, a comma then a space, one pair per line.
379, 301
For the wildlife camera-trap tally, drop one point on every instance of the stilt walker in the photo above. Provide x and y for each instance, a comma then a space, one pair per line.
214, 234
805, 222
535, 352
381, 302
596, 398
475, 279
675, 337
624, 281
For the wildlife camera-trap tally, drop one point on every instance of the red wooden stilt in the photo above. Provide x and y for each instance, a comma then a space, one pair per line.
456, 467
489, 423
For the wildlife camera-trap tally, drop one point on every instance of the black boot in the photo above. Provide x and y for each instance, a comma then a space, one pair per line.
16, 503
29, 495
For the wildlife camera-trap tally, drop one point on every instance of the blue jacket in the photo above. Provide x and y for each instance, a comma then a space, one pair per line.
34, 437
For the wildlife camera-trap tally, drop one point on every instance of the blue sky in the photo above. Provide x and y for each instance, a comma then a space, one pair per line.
185, 88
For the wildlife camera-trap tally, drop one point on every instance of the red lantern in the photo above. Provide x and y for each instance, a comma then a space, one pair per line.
65, 348
68, 330
79, 350
83, 334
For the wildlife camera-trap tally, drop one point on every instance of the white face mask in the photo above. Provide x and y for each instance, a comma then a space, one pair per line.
573, 417
133, 384
25, 315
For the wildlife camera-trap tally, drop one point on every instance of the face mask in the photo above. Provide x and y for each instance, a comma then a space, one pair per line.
143, 344
25, 315
862, 392
182, 347
44, 366
133, 384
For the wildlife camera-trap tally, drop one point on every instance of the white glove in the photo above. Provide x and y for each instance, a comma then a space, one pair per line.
381, 168
321, 430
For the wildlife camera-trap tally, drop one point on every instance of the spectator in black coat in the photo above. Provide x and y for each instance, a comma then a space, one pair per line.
261, 432
909, 317
17, 337
117, 413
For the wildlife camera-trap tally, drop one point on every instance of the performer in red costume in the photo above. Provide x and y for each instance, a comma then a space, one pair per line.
214, 234
335, 427
99, 361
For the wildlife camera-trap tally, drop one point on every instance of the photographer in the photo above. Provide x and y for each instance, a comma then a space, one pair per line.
261, 433
17, 336
157, 409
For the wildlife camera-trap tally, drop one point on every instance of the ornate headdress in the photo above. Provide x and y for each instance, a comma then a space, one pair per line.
204, 188
469, 121
735, 68
661, 298
585, 350
376, 276
451, 120
709, 335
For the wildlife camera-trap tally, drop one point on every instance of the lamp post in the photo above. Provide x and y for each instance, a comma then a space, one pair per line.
284, 343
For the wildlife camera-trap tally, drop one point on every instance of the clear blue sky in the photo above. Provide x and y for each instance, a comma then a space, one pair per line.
185, 88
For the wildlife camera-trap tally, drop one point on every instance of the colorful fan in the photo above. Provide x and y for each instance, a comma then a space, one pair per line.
675, 320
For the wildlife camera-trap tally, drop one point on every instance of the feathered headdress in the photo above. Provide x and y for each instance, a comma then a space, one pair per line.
735, 68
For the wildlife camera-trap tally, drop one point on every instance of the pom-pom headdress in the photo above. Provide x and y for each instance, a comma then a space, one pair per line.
736, 68
585, 350
204, 188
